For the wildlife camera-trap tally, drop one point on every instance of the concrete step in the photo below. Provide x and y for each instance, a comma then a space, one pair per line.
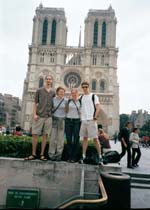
140, 186
139, 175
140, 180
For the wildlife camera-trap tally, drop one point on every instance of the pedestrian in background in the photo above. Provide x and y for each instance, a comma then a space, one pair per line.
104, 141
136, 152
125, 143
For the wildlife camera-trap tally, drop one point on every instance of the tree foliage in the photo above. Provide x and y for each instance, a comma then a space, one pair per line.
123, 119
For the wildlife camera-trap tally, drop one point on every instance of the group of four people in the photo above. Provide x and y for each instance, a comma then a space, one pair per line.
55, 115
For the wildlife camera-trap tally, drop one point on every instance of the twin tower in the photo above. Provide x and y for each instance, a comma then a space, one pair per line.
95, 62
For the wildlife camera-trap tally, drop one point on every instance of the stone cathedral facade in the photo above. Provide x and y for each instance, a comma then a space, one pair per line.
95, 62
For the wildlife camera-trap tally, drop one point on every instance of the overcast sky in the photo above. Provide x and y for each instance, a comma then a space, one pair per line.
133, 41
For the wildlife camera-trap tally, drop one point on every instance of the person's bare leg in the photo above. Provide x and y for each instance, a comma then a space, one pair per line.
98, 146
84, 146
34, 144
43, 144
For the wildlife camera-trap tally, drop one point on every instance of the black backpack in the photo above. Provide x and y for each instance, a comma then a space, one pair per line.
111, 157
120, 135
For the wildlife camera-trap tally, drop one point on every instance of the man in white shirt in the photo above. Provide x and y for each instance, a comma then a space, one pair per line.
90, 109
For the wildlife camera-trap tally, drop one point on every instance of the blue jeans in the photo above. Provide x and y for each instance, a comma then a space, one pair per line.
72, 129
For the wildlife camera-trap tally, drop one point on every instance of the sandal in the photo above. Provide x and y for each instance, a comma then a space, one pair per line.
31, 157
43, 158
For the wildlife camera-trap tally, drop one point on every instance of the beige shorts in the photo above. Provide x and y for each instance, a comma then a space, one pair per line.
42, 126
89, 129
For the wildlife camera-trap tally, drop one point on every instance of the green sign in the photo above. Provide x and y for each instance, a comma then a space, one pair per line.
23, 198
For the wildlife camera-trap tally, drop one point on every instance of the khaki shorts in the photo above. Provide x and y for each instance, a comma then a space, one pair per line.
42, 126
89, 129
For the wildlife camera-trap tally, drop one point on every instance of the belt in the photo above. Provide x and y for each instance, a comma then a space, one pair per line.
73, 119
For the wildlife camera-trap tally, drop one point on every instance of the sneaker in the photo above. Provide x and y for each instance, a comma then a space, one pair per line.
82, 160
72, 161
135, 165
100, 162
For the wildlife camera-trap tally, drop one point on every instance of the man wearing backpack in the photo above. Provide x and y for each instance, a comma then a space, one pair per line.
125, 143
90, 109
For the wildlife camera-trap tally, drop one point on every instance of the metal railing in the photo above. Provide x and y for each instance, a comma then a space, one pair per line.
80, 198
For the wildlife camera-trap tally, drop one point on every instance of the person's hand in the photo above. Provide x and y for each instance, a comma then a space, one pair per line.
125, 144
35, 117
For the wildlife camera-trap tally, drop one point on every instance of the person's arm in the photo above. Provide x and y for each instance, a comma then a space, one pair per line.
122, 139
97, 111
35, 116
97, 107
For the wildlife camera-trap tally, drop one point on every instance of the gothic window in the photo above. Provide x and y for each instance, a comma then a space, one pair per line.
42, 58
44, 34
94, 85
94, 61
53, 32
102, 86
95, 35
102, 59
103, 34
52, 58
41, 82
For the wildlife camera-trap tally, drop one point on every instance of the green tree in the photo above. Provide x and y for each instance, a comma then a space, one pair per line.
123, 119
145, 130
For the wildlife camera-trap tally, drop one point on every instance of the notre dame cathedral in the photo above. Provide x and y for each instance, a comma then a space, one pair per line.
95, 62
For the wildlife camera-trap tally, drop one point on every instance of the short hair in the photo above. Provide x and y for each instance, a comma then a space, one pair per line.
127, 123
59, 88
48, 76
134, 129
85, 83
74, 90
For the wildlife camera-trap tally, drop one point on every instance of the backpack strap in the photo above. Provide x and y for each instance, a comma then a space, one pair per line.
54, 110
80, 99
93, 99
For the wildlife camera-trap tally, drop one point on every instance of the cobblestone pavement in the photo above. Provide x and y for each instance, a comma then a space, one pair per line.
140, 198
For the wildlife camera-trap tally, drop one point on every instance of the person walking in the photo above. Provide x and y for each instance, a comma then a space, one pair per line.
72, 125
90, 109
136, 152
42, 117
56, 141
125, 143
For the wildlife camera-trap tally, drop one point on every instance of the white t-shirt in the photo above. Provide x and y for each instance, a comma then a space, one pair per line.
87, 106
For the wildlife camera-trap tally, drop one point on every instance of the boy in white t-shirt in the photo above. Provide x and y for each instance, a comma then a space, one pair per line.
89, 112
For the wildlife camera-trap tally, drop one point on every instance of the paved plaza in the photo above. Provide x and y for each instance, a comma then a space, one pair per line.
140, 198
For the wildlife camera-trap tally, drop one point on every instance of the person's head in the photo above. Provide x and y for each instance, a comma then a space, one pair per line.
128, 124
85, 87
74, 93
60, 92
48, 80
135, 130
101, 131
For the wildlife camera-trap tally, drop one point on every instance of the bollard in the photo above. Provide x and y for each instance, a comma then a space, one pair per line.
117, 186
